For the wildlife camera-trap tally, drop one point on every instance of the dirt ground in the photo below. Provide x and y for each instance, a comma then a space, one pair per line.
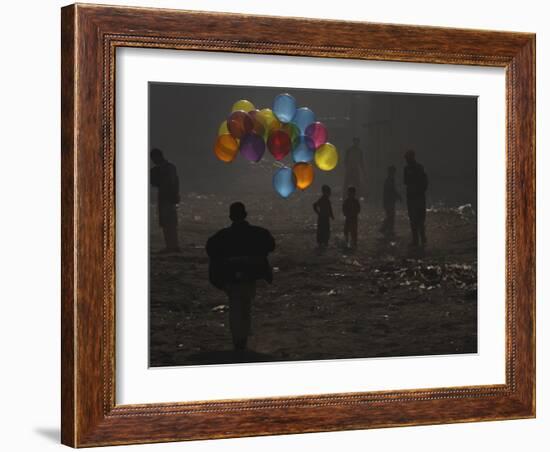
381, 301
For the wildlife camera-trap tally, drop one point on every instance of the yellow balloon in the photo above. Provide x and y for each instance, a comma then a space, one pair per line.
223, 130
270, 121
244, 105
226, 148
326, 157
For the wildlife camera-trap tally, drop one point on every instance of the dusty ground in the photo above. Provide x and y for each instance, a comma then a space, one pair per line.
381, 300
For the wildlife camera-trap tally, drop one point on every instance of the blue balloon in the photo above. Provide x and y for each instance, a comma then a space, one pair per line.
303, 118
284, 107
304, 150
284, 182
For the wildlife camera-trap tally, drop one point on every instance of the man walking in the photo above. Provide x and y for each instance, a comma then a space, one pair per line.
416, 181
354, 166
164, 177
351, 209
238, 258
390, 197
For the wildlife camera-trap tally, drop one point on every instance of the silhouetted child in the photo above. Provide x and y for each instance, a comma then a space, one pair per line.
351, 209
390, 197
323, 209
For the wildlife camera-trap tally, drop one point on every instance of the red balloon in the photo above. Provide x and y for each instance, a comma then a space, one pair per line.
239, 124
279, 144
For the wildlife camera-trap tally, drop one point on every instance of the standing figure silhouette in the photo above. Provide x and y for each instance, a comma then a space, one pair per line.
354, 167
238, 258
323, 209
390, 197
416, 181
351, 209
164, 177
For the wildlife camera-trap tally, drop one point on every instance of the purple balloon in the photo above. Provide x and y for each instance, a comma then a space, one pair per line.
252, 147
318, 133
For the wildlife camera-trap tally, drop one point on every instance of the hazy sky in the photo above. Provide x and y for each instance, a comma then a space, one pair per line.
184, 120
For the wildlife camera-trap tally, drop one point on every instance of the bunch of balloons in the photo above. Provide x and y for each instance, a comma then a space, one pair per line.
285, 129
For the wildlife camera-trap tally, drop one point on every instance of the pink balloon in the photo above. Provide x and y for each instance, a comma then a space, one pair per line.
318, 133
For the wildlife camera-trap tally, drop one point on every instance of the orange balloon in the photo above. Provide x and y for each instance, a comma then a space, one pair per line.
304, 174
226, 148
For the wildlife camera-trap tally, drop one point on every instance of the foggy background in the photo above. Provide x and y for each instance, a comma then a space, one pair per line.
184, 121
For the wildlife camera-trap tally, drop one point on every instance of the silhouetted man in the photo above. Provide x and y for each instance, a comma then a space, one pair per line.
416, 181
354, 165
351, 209
390, 197
164, 177
238, 258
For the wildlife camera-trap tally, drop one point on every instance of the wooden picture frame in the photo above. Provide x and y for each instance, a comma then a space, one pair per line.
90, 36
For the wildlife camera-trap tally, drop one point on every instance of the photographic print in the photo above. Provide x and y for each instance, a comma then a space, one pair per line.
291, 224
